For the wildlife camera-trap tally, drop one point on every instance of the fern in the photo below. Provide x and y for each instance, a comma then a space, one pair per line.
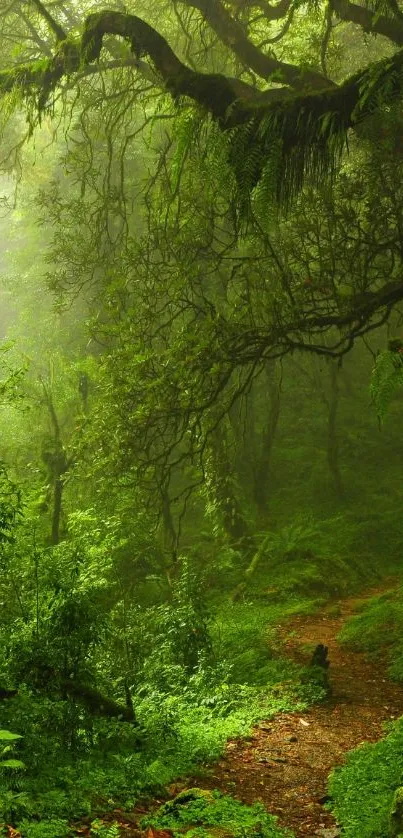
387, 378
185, 132
102, 830
266, 147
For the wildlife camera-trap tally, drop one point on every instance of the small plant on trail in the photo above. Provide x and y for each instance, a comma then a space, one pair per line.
100, 829
197, 811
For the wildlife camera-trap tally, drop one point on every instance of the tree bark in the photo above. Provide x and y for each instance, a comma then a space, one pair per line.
221, 491
98, 703
332, 437
262, 470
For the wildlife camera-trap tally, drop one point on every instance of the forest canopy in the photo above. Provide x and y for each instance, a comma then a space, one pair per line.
269, 136
281, 121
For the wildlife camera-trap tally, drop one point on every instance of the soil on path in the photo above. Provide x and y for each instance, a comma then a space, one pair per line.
286, 762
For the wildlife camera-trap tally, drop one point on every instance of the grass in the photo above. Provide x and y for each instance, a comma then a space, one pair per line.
378, 630
363, 789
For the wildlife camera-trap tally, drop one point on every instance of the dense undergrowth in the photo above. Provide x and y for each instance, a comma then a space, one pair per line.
196, 812
363, 790
378, 630
77, 765
201, 667
181, 727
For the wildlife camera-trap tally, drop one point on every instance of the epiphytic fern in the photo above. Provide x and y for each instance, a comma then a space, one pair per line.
387, 378
186, 129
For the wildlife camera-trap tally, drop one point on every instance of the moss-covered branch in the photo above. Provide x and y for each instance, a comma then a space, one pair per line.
370, 21
96, 702
296, 133
232, 33
306, 133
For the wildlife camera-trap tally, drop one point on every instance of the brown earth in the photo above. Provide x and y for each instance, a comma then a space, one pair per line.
286, 761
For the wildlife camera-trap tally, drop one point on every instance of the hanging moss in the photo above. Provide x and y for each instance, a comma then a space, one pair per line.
38, 79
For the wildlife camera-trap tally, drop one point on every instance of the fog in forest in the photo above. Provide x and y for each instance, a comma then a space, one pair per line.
201, 392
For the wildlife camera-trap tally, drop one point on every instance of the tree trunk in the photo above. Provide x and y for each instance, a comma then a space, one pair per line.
332, 438
262, 468
221, 489
250, 570
57, 509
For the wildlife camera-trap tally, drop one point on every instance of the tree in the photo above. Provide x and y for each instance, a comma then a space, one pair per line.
197, 284
280, 122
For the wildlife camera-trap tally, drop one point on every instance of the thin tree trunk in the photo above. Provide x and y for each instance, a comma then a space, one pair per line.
221, 488
250, 570
332, 438
58, 465
57, 509
262, 468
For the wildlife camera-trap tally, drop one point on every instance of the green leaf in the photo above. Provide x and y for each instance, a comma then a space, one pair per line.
12, 763
7, 736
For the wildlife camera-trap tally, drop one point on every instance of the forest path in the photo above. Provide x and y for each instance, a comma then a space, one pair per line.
286, 762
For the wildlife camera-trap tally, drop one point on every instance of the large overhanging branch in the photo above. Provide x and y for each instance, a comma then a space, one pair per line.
304, 333
233, 35
305, 131
221, 96
39, 79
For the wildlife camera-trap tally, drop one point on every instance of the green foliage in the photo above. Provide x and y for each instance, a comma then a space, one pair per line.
386, 380
363, 788
52, 828
175, 635
244, 640
102, 830
378, 629
310, 558
9, 762
10, 507
197, 812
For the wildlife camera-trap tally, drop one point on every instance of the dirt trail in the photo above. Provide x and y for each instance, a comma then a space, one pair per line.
286, 762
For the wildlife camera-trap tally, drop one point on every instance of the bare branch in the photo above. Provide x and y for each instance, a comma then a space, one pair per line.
270, 12
43, 46
61, 35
